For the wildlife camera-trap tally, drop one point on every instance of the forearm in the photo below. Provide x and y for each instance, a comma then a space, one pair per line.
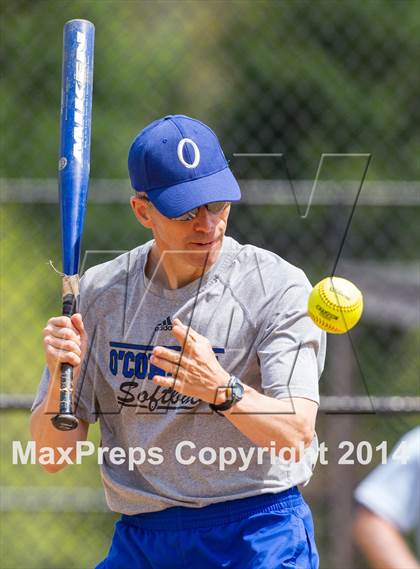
45, 434
264, 419
381, 543
288, 422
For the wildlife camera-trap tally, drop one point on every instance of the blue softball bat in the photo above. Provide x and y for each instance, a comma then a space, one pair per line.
75, 130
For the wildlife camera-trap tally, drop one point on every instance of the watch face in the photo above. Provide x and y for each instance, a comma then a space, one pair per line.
237, 389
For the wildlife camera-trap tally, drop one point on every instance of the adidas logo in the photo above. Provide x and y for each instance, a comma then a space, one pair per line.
165, 325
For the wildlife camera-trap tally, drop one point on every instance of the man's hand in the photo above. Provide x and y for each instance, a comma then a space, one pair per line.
195, 371
65, 341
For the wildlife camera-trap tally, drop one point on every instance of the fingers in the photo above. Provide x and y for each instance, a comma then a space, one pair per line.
64, 340
62, 327
172, 367
59, 322
57, 356
171, 382
64, 345
77, 322
170, 355
183, 333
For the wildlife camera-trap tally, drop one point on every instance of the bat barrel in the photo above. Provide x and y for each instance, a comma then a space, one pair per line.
75, 134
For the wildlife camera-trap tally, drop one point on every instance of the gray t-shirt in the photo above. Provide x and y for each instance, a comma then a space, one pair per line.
252, 306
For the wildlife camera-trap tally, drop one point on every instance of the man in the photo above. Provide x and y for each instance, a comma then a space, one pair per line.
200, 353
389, 507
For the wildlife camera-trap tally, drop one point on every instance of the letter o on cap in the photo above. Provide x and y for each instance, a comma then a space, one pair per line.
180, 151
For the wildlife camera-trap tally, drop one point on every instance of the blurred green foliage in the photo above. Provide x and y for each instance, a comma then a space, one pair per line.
297, 77
74, 541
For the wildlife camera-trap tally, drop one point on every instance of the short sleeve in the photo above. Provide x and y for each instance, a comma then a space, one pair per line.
42, 389
392, 490
291, 349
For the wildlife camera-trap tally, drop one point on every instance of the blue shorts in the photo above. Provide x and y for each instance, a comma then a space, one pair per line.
270, 531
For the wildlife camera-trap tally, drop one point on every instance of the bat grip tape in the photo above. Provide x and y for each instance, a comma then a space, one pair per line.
65, 420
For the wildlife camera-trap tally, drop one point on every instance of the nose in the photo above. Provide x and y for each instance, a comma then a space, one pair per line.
205, 221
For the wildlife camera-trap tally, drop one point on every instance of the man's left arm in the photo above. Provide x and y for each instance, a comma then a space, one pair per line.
263, 419
291, 352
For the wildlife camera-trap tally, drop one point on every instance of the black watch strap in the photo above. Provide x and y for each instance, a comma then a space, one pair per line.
222, 407
235, 390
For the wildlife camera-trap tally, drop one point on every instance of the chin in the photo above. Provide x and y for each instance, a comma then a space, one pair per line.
200, 258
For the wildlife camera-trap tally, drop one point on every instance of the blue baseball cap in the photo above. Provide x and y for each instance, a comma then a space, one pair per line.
179, 163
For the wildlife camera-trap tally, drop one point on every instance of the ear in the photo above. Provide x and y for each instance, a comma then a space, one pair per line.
141, 211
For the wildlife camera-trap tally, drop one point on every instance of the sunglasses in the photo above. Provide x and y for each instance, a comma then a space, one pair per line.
214, 207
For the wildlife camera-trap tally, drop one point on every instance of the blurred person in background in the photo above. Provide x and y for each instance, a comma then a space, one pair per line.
389, 507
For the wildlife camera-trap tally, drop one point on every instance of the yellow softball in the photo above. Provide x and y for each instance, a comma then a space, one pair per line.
335, 305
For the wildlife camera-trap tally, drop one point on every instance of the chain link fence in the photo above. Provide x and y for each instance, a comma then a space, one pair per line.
282, 84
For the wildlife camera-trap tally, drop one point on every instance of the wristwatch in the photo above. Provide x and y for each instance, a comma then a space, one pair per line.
234, 393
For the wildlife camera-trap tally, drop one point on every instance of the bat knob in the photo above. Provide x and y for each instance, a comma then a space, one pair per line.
65, 422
